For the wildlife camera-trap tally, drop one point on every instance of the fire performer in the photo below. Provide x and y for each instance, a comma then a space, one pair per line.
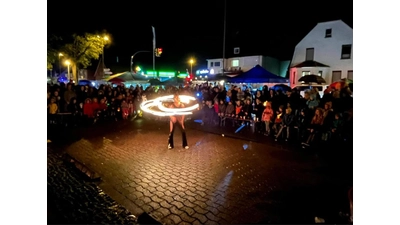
177, 120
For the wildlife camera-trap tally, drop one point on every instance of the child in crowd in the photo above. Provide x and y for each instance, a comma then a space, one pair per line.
230, 109
125, 109
267, 116
53, 108
131, 107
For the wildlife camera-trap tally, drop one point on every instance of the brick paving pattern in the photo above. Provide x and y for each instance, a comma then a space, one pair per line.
216, 181
71, 200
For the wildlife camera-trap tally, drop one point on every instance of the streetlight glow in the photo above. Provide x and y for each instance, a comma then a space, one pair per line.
68, 63
106, 39
191, 61
59, 62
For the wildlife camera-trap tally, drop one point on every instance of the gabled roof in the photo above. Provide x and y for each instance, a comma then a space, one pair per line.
320, 27
309, 63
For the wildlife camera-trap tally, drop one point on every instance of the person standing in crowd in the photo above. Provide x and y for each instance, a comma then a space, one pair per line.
267, 116
68, 95
53, 108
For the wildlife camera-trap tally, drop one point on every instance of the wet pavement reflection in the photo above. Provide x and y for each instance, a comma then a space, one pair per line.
71, 200
219, 180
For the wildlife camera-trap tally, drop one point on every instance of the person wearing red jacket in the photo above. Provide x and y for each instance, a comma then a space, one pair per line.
87, 108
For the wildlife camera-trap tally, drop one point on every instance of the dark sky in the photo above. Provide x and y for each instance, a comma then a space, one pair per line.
187, 29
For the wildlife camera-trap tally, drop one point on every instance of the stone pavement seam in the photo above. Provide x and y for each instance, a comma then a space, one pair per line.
214, 178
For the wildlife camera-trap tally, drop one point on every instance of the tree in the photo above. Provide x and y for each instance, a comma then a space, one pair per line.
51, 57
83, 50
51, 51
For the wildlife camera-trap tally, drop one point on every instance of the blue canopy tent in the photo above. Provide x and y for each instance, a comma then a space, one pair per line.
257, 75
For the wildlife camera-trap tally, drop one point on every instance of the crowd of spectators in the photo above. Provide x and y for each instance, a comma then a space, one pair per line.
282, 115
72, 105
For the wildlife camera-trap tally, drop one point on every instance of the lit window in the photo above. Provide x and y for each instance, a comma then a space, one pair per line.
235, 63
305, 73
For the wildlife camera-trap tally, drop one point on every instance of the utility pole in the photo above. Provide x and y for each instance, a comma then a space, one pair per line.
154, 50
223, 45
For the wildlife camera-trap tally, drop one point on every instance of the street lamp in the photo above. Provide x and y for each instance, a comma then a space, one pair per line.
68, 63
106, 39
191, 66
59, 63
133, 57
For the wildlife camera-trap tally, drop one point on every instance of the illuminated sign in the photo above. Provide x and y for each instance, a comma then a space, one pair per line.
200, 72
164, 74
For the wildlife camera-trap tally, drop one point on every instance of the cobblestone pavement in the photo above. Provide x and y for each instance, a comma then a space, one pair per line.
72, 200
218, 180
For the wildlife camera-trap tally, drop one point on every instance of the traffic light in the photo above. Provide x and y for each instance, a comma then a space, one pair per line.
158, 52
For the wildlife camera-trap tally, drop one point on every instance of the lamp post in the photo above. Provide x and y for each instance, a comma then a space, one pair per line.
223, 43
133, 57
191, 66
105, 38
154, 48
68, 63
59, 63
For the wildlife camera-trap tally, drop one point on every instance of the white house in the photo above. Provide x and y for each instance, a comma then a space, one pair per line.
245, 63
327, 51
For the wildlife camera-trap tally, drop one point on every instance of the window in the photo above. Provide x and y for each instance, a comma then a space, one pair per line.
336, 76
320, 73
235, 63
328, 33
305, 73
346, 51
236, 50
217, 64
350, 74
309, 54
211, 64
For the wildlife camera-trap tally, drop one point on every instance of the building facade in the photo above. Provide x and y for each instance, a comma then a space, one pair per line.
327, 51
245, 63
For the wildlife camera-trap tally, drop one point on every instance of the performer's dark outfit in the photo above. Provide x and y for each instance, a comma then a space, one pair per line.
177, 120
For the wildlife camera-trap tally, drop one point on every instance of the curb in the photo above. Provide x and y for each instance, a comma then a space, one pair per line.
91, 175
143, 218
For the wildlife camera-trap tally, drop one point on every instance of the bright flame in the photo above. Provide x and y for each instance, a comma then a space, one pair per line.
145, 106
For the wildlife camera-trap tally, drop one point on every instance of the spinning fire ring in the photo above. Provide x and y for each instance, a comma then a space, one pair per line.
157, 107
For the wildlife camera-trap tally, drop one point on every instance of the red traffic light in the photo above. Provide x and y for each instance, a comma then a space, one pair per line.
158, 52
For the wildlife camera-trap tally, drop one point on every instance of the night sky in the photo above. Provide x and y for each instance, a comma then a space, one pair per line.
187, 29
